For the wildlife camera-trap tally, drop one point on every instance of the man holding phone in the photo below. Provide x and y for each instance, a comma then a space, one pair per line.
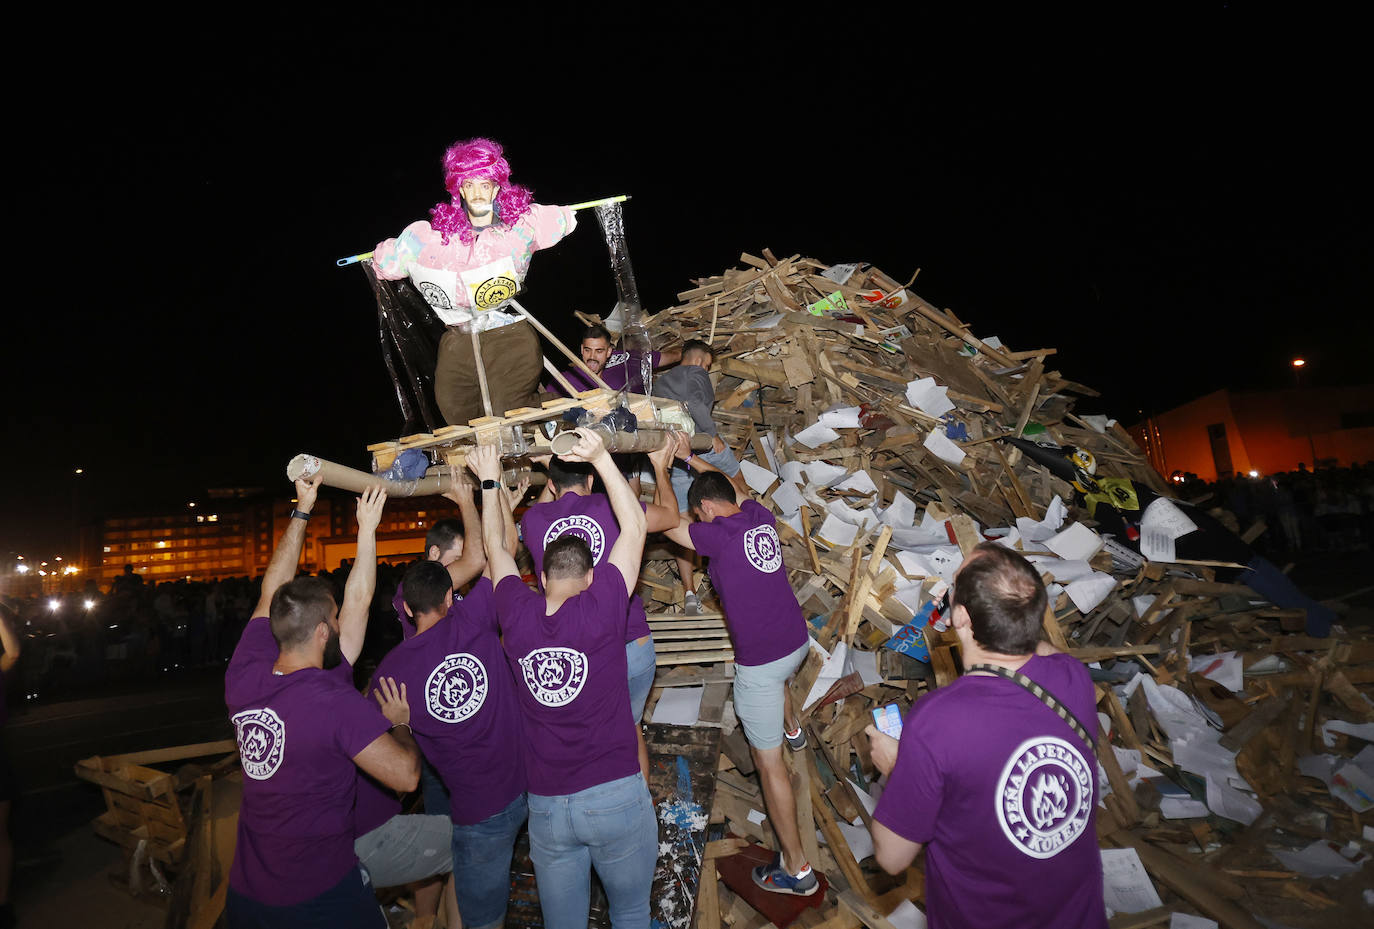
990, 776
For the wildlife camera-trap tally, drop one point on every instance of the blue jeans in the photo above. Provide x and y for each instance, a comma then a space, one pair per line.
641, 663
611, 827
481, 865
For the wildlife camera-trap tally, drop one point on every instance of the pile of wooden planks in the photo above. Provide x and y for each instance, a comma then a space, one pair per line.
881, 481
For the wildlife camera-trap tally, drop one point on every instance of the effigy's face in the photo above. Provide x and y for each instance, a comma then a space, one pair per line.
478, 195
594, 354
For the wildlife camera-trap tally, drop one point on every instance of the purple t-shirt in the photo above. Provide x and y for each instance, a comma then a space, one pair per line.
297, 734
463, 706
1004, 796
765, 620
615, 372
376, 804
591, 519
571, 676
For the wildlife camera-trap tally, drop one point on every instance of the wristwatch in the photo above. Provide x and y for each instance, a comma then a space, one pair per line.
490, 484
297, 514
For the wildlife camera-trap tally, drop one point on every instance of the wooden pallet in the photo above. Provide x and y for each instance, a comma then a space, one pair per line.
681, 639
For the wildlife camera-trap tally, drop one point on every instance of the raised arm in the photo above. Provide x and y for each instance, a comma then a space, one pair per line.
662, 514
474, 557
628, 549
362, 580
485, 463
287, 554
9, 639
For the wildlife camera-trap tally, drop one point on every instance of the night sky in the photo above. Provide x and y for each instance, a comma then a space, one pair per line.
1175, 206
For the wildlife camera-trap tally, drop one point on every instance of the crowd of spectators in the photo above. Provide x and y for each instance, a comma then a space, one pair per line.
1307, 512
82, 643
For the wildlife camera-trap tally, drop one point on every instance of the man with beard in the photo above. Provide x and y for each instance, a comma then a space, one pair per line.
995, 775
467, 262
613, 367
303, 733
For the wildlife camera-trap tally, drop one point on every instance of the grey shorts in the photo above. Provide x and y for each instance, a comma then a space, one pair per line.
682, 475
406, 848
759, 697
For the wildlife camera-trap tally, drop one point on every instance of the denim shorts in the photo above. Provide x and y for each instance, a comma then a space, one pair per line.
642, 663
681, 475
481, 865
759, 697
611, 827
405, 849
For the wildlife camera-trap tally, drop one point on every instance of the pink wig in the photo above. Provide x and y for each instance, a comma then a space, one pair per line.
477, 158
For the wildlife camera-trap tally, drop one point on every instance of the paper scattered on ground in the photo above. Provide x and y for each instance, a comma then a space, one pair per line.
1226, 669
1179, 808
900, 515
815, 435
1141, 603
1087, 593
756, 817
1040, 530
836, 532
870, 803
1161, 524
787, 497
831, 671
941, 447
1188, 921
846, 417
866, 663
679, 706
1354, 786
1075, 542
758, 479
859, 481
1363, 731
907, 916
824, 473
1126, 885
1316, 860
929, 397
858, 838
1225, 800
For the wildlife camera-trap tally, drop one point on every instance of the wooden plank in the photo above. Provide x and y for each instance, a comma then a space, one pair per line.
864, 910
1195, 881
175, 753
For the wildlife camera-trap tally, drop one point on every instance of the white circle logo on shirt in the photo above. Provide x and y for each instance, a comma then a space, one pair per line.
584, 527
456, 688
434, 295
554, 675
1044, 797
763, 549
262, 742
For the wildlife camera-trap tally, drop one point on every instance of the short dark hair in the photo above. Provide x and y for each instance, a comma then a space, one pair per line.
567, 557
443, 534
297, 608
709, 485
595, 331
425, 584
696, 345
1005, 599
565, 474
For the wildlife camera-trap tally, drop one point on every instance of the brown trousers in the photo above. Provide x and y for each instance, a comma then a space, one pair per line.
513, 363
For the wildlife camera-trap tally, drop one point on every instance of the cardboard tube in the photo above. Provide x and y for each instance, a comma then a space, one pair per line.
645, 440
345, 478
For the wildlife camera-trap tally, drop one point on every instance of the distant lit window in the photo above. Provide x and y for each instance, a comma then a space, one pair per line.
107, 549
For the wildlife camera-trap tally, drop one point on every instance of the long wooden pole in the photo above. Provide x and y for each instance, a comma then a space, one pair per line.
481, 368
575, 359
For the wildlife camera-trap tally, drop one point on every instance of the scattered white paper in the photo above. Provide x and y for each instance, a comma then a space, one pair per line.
767, 322
1226, 801
842, 272
823, 473
679, 706
787, 498
858, 838
1040, 530
859, 481
846, 417
941, 447
770, 450
1141, 603
909, 594
1161, 524
907, 916
1063, 570
1188, 921
1363, 731
1097, 422
1316, 860
815, 435
758, 479
1179, 808
866, 663
870, 803
1354, 787
831, 671
1226, 669
1088, 592
1126, 885
756, 817
793, 471
929, 397
901, 514
1076, 541
837, 532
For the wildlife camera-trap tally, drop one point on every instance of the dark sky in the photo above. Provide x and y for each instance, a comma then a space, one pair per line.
1176, 206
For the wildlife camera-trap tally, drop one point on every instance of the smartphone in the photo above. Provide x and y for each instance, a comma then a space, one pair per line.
888, 719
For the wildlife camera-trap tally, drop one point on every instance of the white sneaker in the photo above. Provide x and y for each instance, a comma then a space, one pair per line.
691, 606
